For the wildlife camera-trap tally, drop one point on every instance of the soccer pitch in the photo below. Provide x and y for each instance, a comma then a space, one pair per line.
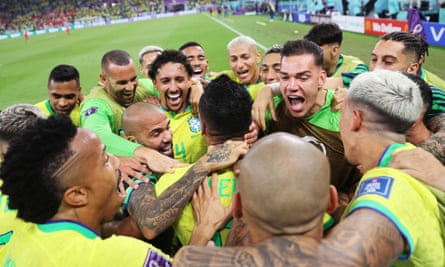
25, 65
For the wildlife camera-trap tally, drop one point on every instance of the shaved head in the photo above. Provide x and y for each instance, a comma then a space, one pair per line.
136, 113
284, 184
147, 124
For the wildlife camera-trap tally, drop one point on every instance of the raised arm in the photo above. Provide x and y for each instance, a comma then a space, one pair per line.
154, 215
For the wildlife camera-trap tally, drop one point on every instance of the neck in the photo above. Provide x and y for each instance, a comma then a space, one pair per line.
76, 215
418, 134
319, 102
217, 140
372, 149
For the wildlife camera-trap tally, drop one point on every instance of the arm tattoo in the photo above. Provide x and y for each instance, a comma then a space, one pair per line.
154, 215
435, 144
239, 234
436, 123
365, 238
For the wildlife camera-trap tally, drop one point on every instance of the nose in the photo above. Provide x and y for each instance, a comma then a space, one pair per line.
293, 83
167, 137
62, 102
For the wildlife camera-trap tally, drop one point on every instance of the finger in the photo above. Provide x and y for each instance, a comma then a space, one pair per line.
272, 112
130, 181
140, 177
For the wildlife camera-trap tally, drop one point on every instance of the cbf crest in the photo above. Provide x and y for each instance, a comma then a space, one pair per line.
194, 125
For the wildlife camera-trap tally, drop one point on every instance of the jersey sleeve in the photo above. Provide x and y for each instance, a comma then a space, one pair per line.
97, 116
406, 202
126, 251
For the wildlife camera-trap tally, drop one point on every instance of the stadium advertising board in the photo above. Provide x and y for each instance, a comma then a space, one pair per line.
350, 23
435, 33
318, 18
380, 27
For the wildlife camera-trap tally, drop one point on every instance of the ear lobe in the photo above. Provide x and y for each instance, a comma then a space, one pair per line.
413, 68
203, 128
237, 206
102, 77
76, 196
333, 200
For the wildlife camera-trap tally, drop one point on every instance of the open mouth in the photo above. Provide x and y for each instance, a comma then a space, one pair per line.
174, 99
296, 103
243, 74
167, 150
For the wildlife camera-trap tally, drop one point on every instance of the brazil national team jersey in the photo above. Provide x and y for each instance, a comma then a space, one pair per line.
45, 106
65, 243
185, 223
409, 205
188, 142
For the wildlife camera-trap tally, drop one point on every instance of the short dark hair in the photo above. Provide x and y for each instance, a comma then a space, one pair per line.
303, 47
29, 167
413, 44
225, 108
168, 56
16, 118
325, 33
64, 73
189, 44
118, 57
276, 48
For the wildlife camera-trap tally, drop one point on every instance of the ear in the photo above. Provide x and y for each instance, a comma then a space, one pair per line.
335, 50
322, 79
76, 196
103, 78
237, 206
203, 127
413, 68
357, 120
258, 57
333, 200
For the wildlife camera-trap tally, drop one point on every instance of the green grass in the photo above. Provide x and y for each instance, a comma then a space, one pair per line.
25, 66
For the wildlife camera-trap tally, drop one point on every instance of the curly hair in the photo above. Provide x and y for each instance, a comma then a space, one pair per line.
169, 56
225, 108
30, 164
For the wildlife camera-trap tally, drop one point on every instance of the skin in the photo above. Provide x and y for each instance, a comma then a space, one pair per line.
173, 84
147, 60
120, 82
198, 60
92, 197
63, 96
389, 55
270, 68
301, 85
244, 61
148, 125
153, 215
331, 53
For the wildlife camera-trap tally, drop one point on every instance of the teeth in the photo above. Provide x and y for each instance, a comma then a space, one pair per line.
175, 96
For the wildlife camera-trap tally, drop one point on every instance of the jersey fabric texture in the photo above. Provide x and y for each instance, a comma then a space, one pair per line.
45, 106
66, 243
148, 83
100, 113
409, 205
188, 142
432, 79
186, 222
253, 89
321, 129
348, 67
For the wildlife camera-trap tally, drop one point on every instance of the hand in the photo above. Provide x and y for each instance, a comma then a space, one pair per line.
422, 165
156, 161
152, 100
195, 94
264, 101
131, 168
224, 155
339, 98
210, 215
252, 136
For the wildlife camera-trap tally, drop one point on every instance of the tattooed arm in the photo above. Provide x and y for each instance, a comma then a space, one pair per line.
238, 234
436, 123
154, 215
435, 144
364, 238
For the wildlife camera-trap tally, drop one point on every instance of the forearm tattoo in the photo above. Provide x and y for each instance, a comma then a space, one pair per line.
435, 144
